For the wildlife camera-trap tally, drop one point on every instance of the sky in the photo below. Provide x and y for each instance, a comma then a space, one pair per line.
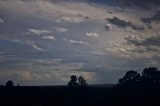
44, 42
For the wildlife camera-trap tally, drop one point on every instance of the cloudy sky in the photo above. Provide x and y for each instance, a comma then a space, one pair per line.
43, 42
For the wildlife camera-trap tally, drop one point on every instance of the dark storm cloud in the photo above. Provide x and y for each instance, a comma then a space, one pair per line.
155, 17
151, 41
123, 24
149, 46
107, 2
155, 41
139, 3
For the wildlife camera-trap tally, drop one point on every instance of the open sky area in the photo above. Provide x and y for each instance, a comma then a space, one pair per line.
44, 42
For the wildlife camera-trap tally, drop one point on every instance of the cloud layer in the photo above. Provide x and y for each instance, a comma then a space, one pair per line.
46, 41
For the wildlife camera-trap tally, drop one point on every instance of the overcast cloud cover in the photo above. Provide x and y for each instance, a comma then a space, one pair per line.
43, 42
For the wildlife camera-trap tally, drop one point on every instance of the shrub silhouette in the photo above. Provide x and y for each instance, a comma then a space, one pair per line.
9, 83
73, 81
82, 82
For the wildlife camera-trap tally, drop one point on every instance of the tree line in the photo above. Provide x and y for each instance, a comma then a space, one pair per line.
148, 77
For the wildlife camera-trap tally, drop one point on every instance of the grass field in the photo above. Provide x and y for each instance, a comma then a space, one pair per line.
65, 96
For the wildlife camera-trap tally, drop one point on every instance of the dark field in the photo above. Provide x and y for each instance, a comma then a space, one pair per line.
50, 96
90, 96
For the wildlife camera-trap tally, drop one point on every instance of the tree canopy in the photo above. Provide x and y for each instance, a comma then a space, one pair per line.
149, 76
73, 81
9, 83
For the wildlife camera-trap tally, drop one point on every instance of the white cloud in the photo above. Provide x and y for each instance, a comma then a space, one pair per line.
38, 31
108, 27
134, 38
48, 37
70, 19
1, 20
92, 34
78, 42
60, 29
37, 48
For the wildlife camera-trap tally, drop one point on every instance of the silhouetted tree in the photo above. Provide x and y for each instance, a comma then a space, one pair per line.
73, 81
130, 78
9, 83
82, 82
150, 78
151, 75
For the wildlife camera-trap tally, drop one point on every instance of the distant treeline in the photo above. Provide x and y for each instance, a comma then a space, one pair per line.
150, 77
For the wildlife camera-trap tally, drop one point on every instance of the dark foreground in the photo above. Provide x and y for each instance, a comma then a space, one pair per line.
89, 96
